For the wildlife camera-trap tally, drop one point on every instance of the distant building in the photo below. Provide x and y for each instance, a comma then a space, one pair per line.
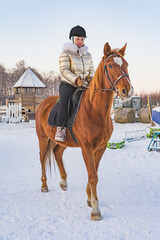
29, 90
135, 102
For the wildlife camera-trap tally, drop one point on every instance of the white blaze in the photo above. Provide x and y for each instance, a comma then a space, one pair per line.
118, 60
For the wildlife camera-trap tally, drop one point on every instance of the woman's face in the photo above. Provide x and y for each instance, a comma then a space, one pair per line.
79, 41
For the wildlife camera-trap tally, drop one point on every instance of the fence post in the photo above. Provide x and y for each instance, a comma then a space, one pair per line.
7, 111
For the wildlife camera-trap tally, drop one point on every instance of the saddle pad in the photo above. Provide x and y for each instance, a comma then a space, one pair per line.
73, 107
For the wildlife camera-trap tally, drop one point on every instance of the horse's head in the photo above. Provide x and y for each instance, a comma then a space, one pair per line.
116, 72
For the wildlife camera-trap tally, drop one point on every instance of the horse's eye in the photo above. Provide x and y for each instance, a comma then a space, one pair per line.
110, 66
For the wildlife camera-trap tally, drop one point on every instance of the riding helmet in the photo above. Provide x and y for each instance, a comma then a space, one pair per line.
77, 31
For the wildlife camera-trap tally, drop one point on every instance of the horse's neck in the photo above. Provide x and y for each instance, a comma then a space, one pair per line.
100, 100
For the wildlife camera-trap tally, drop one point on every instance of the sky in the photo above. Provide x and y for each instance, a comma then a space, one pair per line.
36, 30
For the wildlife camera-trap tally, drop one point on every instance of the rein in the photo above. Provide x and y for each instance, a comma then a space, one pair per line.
113, 85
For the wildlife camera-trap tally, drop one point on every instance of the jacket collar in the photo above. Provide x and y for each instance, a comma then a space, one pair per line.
73, 48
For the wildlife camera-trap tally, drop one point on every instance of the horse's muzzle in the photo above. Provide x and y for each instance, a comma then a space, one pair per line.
126, 94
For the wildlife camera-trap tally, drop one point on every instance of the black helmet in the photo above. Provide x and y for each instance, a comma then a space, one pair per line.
77, 31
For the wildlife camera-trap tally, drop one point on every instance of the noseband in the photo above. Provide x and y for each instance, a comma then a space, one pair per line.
113, 85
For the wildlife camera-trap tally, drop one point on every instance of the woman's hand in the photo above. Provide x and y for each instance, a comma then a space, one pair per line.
89, 79
78, 82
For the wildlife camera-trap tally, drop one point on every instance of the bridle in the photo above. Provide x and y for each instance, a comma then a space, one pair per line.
113, 85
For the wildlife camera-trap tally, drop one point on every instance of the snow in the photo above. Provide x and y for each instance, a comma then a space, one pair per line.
29, 79
128, 191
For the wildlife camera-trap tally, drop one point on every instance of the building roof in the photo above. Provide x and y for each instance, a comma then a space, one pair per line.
29, 79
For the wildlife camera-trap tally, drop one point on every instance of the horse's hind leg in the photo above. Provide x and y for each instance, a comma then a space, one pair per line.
58, 152
43, 145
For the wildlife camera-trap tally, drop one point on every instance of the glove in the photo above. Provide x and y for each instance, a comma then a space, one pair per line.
89, 79
78, 82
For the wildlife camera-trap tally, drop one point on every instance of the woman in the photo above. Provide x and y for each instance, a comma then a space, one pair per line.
77, 70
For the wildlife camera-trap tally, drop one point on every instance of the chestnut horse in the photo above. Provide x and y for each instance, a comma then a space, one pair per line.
93, 126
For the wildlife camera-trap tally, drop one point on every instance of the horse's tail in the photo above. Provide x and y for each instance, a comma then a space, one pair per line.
50, 153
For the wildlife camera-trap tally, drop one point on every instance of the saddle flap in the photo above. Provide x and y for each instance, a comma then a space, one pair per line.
73, 107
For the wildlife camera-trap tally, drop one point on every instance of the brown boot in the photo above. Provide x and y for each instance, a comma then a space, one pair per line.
60, 134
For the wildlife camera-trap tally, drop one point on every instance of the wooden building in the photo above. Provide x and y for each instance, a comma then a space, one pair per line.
29, 90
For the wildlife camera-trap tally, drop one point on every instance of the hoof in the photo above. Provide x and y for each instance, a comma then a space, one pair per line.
64, 187
44, 189
96, 217
89, 203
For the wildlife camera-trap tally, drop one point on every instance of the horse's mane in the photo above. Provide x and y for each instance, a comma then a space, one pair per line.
99, 72
114, 51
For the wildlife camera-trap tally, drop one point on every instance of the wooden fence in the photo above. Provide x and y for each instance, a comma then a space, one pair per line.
11, 112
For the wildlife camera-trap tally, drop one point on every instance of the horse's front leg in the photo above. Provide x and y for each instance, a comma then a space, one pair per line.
88, 156
88, 191
97, 157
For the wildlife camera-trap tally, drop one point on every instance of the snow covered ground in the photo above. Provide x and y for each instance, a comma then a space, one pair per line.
128, 190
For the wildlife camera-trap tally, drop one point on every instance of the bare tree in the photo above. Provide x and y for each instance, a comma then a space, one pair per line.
155, 97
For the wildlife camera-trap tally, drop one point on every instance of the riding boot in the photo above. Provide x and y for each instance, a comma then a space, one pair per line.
60, 134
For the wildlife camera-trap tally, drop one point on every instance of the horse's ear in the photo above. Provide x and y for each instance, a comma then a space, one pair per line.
122, 50
107, 49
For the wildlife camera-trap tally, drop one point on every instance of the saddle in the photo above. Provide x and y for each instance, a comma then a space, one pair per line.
72, 110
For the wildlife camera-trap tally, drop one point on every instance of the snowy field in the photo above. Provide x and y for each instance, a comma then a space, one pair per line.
128, 191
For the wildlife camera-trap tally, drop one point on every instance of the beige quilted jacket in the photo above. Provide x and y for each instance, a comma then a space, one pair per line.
75, 62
